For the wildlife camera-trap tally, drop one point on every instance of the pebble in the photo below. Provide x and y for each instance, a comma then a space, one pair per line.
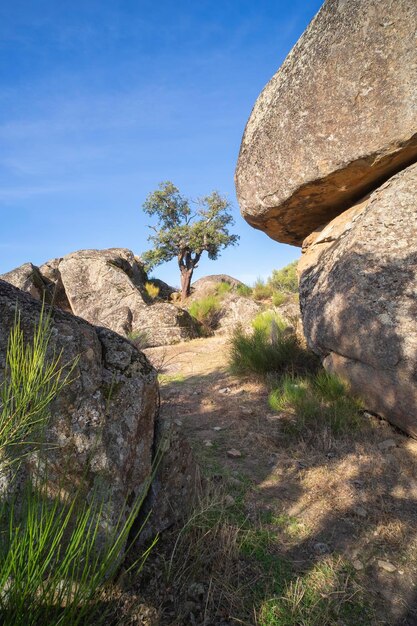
224, 390
387, 444
234, 454
387, 566
358, 565
208, 443
217, 428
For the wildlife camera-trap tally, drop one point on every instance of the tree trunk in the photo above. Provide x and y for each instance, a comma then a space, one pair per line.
186, 275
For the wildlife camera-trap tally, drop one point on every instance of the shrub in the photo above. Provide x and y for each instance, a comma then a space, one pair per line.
152, 290
278, 298
260, 290
206, 310
272, 347
315, 400
285, 279
244, 291
223, 288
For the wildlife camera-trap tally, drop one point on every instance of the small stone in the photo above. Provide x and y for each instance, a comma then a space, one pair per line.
387, 566
321, 548
360, 511
358, 565
208, 443
229, 500
330, 455
234, 454
217, 428
387, 444
224, 390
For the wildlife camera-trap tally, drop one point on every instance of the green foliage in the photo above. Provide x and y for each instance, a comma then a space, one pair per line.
271, 347
314, 401
152, 290
206, 310
325, 596
54, 562
244, 291
278, 298
30, 383
285, 279
223, 288
52, 565
260, 290
182, 230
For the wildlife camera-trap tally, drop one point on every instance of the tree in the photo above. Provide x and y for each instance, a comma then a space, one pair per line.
185, 232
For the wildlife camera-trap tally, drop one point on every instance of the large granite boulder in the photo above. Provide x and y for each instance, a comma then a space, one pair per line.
101, 438
337, 119
107, 288
209, 284
358, 296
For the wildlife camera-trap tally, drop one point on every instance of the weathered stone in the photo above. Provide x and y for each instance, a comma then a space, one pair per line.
103, 287
101, 435
337, 120
163, 324
236, 310
26, 277
208, 284
359, 300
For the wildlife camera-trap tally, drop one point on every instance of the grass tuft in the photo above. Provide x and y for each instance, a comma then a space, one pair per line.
313, 401
272, 347
206, 310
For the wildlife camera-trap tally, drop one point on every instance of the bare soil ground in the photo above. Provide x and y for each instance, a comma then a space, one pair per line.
323, 501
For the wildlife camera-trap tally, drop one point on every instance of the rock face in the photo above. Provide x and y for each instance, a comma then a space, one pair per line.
236, 310
337, 120
107, 288
102, 430
358, 296
327, 157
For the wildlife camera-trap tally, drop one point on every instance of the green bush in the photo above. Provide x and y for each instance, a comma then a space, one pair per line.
244, 291
313, 401
206, 310
285, 279
279, 297
223, 288
272, 347
261, 290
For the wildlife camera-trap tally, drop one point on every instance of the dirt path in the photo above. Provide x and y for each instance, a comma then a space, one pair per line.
349, 498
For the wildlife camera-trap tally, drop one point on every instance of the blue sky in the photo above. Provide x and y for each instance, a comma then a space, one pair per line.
100, 100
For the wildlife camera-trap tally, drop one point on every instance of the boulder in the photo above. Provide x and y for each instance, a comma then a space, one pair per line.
107, 288
101, 435
27, 277
358, 297
162, 324
236, 310
104, 287
208, 284
337, 119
